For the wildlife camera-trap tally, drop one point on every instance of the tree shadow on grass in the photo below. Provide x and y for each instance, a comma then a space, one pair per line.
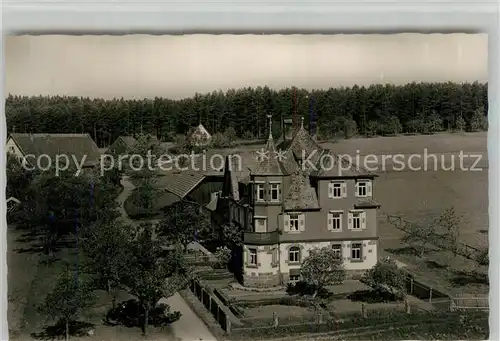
39, 247
304, 289
405, 250
372, 296
58, 331
435, 265
410, 251
462, 278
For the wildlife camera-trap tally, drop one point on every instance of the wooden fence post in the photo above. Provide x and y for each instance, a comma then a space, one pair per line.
430, 295
363, 311
275, 319
320, 318
407, 307
411, 285
452, 305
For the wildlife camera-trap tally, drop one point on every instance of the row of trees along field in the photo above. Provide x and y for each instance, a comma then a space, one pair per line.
377, 109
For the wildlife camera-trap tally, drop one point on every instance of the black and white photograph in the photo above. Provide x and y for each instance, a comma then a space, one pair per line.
246, 187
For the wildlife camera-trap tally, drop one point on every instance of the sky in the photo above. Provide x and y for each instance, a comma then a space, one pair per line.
145, 66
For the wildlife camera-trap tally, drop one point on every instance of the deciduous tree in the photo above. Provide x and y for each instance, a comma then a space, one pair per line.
106, 246
419, 237
154, 271
451, 222
69, 298
322, 267
183, 223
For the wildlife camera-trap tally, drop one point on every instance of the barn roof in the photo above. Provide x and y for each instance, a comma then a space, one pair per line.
72, 145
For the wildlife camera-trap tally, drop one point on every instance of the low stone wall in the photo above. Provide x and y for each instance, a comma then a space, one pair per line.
205, 315
214, 305
262, 280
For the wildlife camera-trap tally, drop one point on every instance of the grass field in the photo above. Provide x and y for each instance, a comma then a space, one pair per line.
421, 196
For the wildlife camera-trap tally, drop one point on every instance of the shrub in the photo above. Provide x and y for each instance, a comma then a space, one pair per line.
223, 256
385, 276
131, 314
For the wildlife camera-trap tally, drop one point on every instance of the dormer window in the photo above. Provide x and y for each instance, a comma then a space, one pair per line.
363, 188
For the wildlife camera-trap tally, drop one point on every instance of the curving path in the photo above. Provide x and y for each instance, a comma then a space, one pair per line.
190, 327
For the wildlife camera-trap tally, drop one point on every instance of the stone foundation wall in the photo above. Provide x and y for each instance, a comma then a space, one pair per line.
355, 274
262, 280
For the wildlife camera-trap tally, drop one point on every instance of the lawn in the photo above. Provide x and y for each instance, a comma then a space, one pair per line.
30, 280
22, 266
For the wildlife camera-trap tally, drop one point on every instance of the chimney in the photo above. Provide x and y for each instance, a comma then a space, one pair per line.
287, 129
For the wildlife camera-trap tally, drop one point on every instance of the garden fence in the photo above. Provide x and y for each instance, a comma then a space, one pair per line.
212, 304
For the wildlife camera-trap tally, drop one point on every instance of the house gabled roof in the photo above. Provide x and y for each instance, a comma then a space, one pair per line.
130, 141
199, 130
300, 194
72, 145
180, 183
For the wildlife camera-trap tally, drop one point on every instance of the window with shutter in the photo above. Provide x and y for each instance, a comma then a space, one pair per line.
362, 188
369, 189
335, 189
330, 190
302, 222
349, 222
363, 220
286, 223
335, 220
356, 251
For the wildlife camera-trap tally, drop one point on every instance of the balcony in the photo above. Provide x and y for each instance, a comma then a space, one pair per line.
261, 238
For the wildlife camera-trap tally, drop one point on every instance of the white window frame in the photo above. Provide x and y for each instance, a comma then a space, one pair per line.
332, 218
295, 217
287, 222
297, 252
361, 215
295, 280
257, 220
275, 186
360, 248
259, 186
252, 256
338, 247
367, 185
337, 192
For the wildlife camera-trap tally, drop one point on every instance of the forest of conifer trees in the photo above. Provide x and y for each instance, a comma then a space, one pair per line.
373, 110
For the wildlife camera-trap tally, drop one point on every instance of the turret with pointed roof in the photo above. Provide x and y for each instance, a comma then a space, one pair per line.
268, 163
